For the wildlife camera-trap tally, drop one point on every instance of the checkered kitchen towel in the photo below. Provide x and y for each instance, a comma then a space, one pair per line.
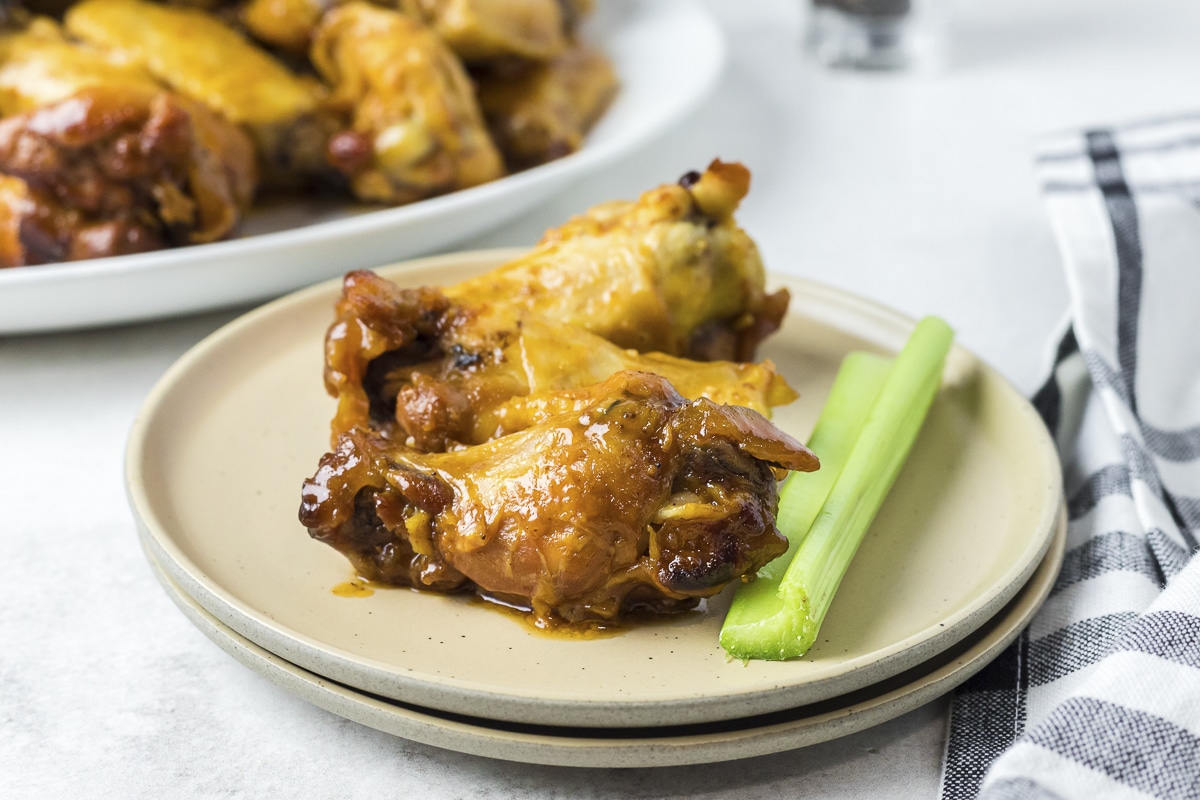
1100, 697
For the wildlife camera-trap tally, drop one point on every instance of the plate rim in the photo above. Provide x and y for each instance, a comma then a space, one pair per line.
363, 673
666, 751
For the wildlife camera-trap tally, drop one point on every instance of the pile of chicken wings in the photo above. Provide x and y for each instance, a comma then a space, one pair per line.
579, 433
133, 125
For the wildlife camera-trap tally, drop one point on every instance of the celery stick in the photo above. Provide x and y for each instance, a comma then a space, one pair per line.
806, 589
758, 612
857, 385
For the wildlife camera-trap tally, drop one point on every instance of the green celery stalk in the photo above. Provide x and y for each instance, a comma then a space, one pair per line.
864, 433
758, 612
859, 379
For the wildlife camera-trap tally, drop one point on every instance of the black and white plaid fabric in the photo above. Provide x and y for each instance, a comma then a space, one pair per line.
1100, 697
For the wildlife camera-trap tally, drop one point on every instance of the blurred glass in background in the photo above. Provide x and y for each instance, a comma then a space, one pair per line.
878, 34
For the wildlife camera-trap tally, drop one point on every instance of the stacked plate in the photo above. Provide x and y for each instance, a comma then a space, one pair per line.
958, 560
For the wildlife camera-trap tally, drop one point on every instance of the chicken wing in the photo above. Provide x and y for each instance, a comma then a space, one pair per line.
286, 24
415, 367
416, 128
637, 498
669, 273
40, 66
485, 29
99, 160
542, 112
204, 58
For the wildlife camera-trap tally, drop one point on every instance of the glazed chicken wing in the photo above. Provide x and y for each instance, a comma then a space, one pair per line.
637, 498
486, 29
670, 273
204, 58
40, 66
415, 367
416, 127
99, 160
286, 24
542, 112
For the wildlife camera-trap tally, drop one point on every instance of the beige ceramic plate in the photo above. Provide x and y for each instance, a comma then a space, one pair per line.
217, 456
648, 747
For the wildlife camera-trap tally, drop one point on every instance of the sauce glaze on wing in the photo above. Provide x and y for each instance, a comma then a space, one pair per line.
639, 498
415, 125
97, 159
417, 368
511, 435
490, 29
540, 111
670, 272
202, 57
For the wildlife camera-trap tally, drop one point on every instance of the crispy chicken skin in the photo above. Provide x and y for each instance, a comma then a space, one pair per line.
104, 174
503, 436
206, 59
636, 498
40, 66
416, 130
417, 368
487, 29
669, 273
542, 111
285, 24
98, 160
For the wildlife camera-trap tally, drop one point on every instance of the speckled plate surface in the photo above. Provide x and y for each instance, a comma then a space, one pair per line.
647, 747
218, 453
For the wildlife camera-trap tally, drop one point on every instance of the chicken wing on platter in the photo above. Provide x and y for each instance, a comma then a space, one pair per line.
669, 273
538, 112
417, 368
416, 128
98, 160
285, 24
204, 58
635, 498
486, 29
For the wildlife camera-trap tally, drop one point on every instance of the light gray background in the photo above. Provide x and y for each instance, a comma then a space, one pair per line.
914, 190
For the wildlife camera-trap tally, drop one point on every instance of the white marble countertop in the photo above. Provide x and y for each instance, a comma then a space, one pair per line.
911, 189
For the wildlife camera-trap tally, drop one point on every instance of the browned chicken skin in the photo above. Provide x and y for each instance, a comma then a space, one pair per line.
98, 159
415, 130
636, 499
107, 173
487, 29
205, 58
505, 435
670, 272
540, 111
417, 368
285, 24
